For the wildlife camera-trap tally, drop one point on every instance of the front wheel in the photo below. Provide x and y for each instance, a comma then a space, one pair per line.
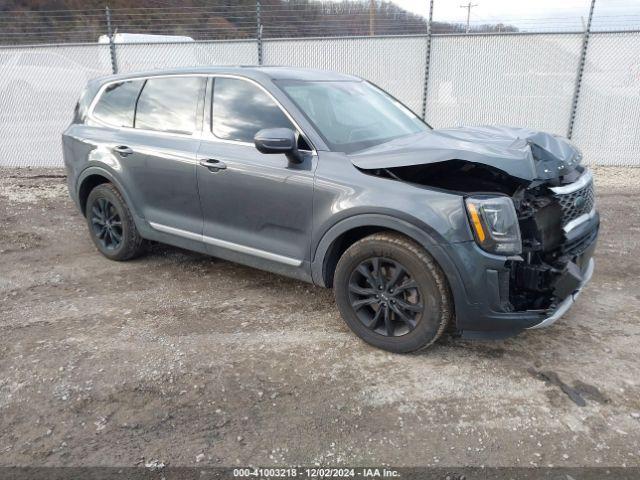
111, 224
392, 293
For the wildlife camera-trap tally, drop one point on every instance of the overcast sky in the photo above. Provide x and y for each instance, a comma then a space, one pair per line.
534, 14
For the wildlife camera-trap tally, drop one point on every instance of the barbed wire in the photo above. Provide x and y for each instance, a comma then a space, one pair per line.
212, 22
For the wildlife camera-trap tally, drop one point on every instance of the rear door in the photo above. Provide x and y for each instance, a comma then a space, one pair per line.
156, 149
258, 206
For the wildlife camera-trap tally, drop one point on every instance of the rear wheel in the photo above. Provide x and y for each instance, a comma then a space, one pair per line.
111, 224
392, 294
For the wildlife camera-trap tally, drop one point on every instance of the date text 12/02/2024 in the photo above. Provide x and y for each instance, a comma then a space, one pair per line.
315, 472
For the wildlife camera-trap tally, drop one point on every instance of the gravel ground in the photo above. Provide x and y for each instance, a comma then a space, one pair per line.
180, 358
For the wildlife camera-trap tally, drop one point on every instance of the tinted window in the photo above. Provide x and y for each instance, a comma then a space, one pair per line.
352, 115
240, 109
169, 104
80, 112
117, 103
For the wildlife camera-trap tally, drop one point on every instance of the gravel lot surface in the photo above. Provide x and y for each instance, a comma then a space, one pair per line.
183, 359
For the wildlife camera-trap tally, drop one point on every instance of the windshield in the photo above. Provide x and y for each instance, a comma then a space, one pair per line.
352, 115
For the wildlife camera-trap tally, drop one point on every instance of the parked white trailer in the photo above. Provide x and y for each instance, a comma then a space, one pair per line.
141, 51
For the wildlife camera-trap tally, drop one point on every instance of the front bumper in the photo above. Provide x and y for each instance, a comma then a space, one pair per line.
566, 304
483, 309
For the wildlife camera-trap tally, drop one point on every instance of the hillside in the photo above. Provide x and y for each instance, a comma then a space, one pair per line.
54, 21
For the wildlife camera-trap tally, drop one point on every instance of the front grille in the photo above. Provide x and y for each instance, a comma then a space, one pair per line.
576, 203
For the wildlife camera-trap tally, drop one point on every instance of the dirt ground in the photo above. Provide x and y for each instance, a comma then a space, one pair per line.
183, 359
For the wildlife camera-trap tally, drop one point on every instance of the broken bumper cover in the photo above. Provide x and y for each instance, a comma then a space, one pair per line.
566, 304
481, 307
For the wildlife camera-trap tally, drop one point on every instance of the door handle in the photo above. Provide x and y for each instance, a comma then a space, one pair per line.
123, 150
213, 165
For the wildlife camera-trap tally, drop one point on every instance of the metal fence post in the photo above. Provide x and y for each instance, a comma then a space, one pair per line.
427, 62
112, 45
259, 32
578, 84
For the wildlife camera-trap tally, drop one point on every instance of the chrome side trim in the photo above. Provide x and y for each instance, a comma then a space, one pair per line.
584, 180
274, 257
251, 251
579, 220
176, 231
567, 302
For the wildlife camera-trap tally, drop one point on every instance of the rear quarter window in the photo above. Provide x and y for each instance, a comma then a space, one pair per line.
116, 105
84, 102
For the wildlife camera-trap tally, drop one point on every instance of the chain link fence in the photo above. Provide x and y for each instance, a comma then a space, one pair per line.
39, 87
513, 79
396, 64
520, 80
607, 125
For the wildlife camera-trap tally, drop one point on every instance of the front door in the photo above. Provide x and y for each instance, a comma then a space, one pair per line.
257, 207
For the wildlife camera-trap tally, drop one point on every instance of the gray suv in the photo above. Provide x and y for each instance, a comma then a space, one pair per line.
326, 178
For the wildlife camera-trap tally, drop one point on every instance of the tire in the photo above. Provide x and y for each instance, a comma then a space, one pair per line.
109, 218
401, 326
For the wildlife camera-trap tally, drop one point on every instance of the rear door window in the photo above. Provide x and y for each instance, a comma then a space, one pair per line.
169, 104
116, 106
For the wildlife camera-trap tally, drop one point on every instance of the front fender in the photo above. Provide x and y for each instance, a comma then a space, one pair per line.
431, 241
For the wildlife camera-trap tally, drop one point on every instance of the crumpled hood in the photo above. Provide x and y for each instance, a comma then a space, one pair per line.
520, 152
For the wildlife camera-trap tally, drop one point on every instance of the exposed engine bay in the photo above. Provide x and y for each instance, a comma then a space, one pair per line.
552, 215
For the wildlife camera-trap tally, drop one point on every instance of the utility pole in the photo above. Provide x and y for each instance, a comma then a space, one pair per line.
427, 63
372, 17
468, 6
580, 73
259, 31
112, 45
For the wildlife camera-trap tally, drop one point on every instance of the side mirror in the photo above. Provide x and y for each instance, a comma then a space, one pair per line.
278, 140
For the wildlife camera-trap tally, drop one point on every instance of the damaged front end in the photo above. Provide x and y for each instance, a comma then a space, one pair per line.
557, 225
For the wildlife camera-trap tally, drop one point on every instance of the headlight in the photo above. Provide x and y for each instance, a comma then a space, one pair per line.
495, 224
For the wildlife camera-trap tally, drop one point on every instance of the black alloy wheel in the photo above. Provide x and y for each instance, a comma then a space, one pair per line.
392, 293
384, 296
111, 224
106, 222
